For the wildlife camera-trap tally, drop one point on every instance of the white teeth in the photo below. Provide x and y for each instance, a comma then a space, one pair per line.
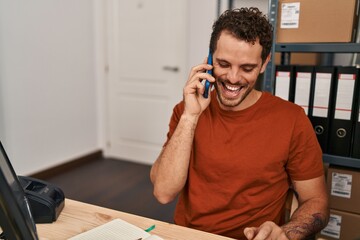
233, 88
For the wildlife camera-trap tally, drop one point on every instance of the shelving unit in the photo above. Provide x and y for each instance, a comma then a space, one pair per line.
318, 47
287, 48
267, 83
341, 161
269, 74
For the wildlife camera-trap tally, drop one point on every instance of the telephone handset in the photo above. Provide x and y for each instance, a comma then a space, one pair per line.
207, 83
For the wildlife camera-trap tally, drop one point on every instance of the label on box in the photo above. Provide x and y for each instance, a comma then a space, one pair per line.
333, 228
290, 13
341, 185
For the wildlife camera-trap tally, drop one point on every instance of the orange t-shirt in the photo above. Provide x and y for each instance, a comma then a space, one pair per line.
242, 162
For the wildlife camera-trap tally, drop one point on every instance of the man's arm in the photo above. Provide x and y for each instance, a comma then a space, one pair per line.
169, 172
310, 217
312, 214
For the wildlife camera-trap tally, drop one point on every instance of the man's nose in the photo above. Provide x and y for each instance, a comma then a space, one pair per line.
233, 75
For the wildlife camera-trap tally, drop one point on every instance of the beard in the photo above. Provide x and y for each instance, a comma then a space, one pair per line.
239, 95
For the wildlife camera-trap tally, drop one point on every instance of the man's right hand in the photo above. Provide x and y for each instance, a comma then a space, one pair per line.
193, 91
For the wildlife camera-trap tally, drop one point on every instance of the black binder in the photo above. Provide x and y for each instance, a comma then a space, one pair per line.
355, 152
320, 103
284, 82
303, 79
344, 100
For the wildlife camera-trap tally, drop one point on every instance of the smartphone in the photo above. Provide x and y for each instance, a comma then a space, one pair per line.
207, 83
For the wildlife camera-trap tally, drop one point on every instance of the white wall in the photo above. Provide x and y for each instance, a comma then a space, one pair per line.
51, 86
202, 14
52, 89
48, 89
263, 5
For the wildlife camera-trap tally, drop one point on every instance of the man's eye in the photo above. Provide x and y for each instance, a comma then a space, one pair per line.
248, 69
223, 65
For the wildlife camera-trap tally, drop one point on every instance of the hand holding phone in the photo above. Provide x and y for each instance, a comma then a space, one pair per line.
207, 83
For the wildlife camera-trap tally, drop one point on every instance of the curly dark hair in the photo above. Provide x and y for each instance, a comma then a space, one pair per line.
246, 24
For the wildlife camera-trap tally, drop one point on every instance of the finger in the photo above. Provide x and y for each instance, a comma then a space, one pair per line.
194, 87
199, 69
250, 232
199, 77
263, 232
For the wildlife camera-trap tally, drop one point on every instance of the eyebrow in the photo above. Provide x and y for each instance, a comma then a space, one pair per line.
253, 65
249, 65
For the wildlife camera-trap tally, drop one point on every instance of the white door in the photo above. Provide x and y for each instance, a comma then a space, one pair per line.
147, 59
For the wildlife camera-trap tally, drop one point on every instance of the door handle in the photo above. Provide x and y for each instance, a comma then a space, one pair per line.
170, 68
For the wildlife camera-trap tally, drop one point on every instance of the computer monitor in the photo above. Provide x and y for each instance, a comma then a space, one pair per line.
16, 220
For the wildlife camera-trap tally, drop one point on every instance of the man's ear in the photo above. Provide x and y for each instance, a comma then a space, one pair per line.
267, 60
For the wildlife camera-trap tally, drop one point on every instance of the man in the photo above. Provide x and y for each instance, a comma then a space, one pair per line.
234, 156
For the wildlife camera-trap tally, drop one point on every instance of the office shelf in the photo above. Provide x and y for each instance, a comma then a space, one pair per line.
318, 47
341, 161
327, 48
268, 78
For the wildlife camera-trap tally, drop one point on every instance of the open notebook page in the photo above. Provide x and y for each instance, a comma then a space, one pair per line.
116, 229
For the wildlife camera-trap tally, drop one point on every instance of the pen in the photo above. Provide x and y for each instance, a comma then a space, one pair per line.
150, 228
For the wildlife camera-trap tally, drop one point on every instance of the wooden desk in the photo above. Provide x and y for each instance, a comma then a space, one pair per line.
77, 217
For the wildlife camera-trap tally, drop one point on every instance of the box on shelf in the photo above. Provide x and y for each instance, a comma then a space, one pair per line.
326, 167
311, 59
342, 225
305, 21
344, 189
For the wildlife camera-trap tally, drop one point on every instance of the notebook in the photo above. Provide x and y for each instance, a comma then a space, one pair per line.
116, 229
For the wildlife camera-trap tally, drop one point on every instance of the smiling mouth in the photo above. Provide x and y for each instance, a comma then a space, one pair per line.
234, 89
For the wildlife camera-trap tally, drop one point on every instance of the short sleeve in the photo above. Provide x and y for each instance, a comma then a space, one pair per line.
174, 120
305, 156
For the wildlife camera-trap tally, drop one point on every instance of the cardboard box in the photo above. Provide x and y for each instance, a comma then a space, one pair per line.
342, 225
305, 21
344, 189
326, 167
311, 59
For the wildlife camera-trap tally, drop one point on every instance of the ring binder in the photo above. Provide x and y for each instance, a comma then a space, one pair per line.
320, 104
303, 78
341, 123
284, 82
